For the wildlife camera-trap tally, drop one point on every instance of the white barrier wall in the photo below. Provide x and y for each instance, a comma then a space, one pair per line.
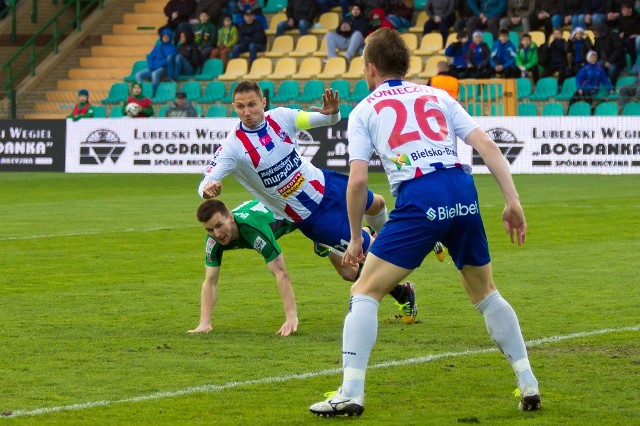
581, 145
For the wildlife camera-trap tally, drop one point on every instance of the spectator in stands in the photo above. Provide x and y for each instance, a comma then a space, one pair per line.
478, 58
442, 15
596, 11
628, 93
459, 51
238, 8
589, 80
527, 58
486, 15
83, 108
614, 8
300, 14
178, 13
629, 30
145, 104
555, 57
400, 14
445, 80
574, 14
548, 13
227, 39
503, 56
577, 48
369, 5
349, 35
181, 107
463, 14
187, 60
519, 12
205, 35
610, 50
158, 59
251, 38
327, 5
214, 9
378, 19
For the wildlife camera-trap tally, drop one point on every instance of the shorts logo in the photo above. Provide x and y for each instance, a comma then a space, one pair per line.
446, 212
259, 244
401, 160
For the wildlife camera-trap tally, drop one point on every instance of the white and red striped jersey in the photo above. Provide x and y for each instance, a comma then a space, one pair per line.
413, 128
267, 163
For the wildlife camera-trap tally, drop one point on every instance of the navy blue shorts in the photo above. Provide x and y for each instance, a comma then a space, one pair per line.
329, 223
439, 206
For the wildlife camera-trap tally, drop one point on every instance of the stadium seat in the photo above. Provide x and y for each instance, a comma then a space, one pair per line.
274, 6
527, 109
523, 88
288, 91
213, 92
236, 69
475, 109
211, 69
430, 68
166, 92
135, 69
306, 45
217, 111
579, 109
421, 19
281, 46
430, 44
162, 112
328, 21
192, 89
497, 110
537, 37
342, 87
419, 4
491, 92
468, 91
260, 68
312, 91
293, 106
322, 51
309, 68
553, 109
626, 80
355, 69
360, 91
632, 108
333, 68
285, 68
267, 87
116, 112
118, 93
275, 19
487, 37
546, 88
411, 41
606, 109
345, 110
451, 38
228, 98
99, 111
147, 89
567, 90
415, 67
514, 36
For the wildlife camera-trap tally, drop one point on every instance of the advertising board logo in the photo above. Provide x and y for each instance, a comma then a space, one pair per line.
308, 147
101, 145
509, 145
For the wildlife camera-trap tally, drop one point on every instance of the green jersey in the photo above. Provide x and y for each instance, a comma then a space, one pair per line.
258, 229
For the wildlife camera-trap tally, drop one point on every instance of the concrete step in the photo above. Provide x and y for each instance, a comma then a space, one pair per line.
157, 19
138, 50
127, 29
129, 39
106, 62
91, 85
99, 73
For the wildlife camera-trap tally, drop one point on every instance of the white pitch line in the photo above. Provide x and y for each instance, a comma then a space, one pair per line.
302, 376
80, 234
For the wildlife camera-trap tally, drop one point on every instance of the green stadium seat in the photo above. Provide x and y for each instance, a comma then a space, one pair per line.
135, 69
568, 89
267, 86
311, 92
213, 92
217, 111
468, 92
553, 109
288, 91
166, 92
491, 92
523, 88
546, 88
579, 109
527, 109
632, 108
147, 89
228, 98
360, 91
198, 109
345, 110
274, 6
99, 111
118, 93
606, 109
293, 106
211, 69
475, 109
192, 89
162, 112
342, 87
497, 110
116, 112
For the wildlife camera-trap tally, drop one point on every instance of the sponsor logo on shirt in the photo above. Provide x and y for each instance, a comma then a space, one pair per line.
292, 186
259, 244
212, 163
446, 212
401, 160
273, 176
209, 248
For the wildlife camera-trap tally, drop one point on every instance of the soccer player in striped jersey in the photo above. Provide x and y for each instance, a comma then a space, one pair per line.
414, 129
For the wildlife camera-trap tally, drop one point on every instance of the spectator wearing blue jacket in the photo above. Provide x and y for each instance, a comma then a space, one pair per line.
589, 80
458, 51
503, 56
157, 60
487, 15
478, 58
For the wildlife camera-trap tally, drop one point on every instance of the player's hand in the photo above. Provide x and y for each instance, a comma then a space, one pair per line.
354, 255
514, 222
330, 103
202, 328
289, 326
212, 190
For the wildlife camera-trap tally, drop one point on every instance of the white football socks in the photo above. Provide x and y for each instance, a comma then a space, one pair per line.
377, 221
358, 337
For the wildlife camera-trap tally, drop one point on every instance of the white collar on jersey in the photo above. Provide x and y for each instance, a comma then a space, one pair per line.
255, 129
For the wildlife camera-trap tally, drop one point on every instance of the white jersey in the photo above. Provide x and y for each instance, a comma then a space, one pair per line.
413, 128
267, 163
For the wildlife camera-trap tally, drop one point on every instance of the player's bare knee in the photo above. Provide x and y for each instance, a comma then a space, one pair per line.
376, 206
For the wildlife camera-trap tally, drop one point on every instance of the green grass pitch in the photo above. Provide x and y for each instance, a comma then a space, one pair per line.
100, 278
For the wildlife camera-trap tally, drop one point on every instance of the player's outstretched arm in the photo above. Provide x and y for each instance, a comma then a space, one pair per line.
211, 189
208, 297
513, 216
330, 103
278, 269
